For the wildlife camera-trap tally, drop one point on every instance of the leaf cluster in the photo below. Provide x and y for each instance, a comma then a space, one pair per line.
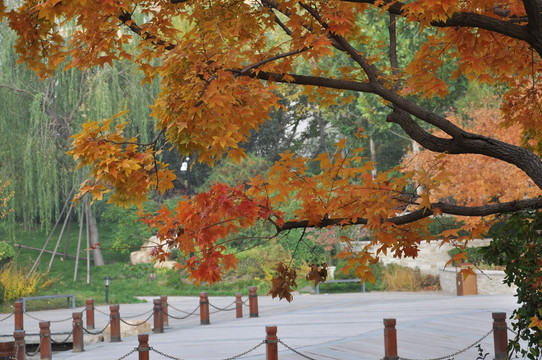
517, 246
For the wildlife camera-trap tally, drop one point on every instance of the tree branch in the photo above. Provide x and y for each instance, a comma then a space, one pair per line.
19, 90
126, 19
469, 143
445, 208
462, 19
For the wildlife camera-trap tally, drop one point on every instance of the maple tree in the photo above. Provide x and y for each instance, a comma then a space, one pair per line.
219, 63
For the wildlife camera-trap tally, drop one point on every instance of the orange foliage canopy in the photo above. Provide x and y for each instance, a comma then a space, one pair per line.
474, 180
219, 61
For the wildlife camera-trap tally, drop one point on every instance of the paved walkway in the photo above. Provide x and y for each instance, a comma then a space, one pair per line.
339, 326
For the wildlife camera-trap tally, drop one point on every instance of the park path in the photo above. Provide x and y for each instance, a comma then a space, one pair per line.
335, 326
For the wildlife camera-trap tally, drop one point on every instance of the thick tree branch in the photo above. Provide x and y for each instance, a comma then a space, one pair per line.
416, 215
460, 19
469, 143
461, 142
308, 80
534, 13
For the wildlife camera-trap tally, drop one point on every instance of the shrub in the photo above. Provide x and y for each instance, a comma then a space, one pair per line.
7, 253
16, 284
399, 278
259, 262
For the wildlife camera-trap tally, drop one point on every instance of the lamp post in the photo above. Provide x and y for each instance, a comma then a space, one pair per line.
107, 281
185, 166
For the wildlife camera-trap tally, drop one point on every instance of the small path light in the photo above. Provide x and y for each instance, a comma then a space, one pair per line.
107, 281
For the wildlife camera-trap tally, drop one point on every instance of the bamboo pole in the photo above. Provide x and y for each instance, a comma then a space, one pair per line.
81, 221
60, 237
49, 237
87, 217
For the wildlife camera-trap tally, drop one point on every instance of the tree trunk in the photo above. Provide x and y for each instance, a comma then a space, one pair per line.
372, 150
93, 240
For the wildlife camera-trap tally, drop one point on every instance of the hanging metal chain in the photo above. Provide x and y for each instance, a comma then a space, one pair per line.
179, 317
182, 317
100, 311
224, 308
126, 355
294, 350
10, 315
230, 358
184, 312
134, 316
98, 332
164, 354
246, 352
61, 342
140, 323
457, 352
35, 353
246, 302
17, 349
52, 321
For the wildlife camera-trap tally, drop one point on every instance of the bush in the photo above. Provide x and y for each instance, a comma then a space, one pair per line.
399, 278
259, 262
16, 284
7, 253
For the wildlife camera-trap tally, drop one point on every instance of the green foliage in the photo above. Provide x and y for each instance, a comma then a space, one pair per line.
128, 232
303, 250
2, 292
352, 287
517, 245
259, 262
7, 253
231, 173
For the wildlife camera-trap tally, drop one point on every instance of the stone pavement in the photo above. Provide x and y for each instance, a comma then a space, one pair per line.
338, 326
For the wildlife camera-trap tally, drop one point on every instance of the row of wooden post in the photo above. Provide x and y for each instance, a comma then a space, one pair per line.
271, 341
160, 320
500, 337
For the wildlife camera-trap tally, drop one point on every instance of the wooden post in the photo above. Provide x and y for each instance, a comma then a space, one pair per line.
271, 340
90, 313
18, 312
143, 347
253, 301
114, 325
238, 306
20, 345
390, 340
165, 313
45, 341
500, 335
158, 316
7, 350
78, 343
204, 308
